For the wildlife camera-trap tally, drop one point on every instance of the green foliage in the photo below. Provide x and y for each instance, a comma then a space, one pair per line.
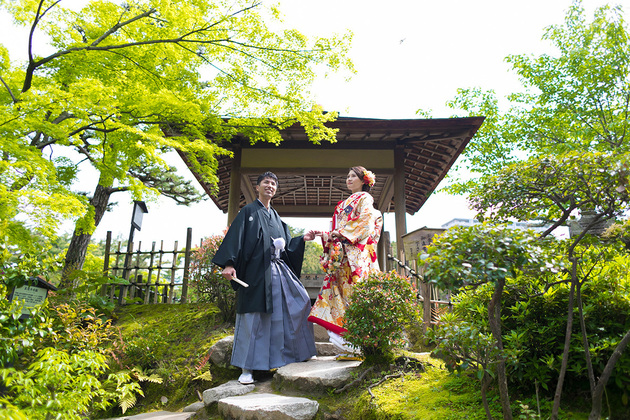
145, 349
484, 253
619, 231
552, 188
79, 327
568, 132
574, 100
534, 317
465, 346
69, 375
432, 395
123, 85
381, 306
577, 99
128, 387
312, 253
490, 149
57, 383
210, 286
19, 336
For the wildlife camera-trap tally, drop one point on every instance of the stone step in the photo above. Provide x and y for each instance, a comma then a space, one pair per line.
316, 375
228, 389
257, 406
326, 349
258, 401
321, 334
157, 415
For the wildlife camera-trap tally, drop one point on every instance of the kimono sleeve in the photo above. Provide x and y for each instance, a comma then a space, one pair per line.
229, 252
294, 251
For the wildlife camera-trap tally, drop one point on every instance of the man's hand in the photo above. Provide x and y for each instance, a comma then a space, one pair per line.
229, 272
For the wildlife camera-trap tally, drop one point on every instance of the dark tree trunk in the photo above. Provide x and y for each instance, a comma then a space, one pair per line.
494, 319
485, 383
587, 352
75, 256
596, 409
567, 344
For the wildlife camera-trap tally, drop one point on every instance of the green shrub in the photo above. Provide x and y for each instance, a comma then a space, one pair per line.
534, 326
464, 346
208, 283
381, 306
69, 375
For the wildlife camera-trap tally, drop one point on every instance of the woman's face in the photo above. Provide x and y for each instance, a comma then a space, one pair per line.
353, 182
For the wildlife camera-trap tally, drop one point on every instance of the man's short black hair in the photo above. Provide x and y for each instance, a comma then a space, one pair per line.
267, 175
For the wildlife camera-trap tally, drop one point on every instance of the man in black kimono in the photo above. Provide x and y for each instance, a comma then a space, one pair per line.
271, 322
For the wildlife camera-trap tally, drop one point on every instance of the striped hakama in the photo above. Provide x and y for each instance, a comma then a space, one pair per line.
264, 341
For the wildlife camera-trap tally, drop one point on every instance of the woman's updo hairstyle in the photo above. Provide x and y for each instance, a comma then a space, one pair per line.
365, 175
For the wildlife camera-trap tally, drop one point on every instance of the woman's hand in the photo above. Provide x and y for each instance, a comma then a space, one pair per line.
311, 234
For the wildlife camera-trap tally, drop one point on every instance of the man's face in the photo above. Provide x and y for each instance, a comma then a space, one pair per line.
266, 189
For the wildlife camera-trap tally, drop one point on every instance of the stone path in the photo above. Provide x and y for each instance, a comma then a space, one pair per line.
158, 415
312, 377
261, 399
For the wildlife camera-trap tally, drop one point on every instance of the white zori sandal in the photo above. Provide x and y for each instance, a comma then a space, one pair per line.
246, 377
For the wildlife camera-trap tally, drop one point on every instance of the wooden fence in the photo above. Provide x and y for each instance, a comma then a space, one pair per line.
433, 307
154, 276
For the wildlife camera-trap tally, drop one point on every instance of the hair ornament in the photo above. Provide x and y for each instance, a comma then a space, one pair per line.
369, 178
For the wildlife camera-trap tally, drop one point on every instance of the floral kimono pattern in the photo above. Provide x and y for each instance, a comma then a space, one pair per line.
347, 260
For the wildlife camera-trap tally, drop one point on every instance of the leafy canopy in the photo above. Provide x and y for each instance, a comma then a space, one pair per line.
117, 86
576, 100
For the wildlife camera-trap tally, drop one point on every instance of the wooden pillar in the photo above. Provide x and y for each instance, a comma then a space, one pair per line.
186, 265
425, 290
400, 203
108, 249
383, 249
235, 185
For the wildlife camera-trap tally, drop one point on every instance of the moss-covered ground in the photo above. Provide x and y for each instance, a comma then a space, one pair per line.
174, 341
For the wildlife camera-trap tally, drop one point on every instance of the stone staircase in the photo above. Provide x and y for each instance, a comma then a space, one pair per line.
272, 396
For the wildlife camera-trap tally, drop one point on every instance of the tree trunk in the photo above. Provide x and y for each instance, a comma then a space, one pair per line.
596, 409
485, 382
75, 256
587, 353
494, 320
567, 345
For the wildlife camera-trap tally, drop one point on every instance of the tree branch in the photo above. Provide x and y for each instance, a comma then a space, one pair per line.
13, 99
565, 215
119, 25
32, 65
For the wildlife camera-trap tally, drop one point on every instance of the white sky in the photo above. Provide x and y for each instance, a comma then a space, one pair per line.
409, 55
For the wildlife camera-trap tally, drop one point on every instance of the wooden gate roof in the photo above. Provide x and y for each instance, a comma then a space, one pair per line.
312, 177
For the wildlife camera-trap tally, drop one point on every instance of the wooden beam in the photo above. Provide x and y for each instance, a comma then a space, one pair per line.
247, 188
305, 161
303, 211
339, 171
386, 195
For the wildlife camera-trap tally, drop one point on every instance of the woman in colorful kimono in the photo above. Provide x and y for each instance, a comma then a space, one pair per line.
349, 255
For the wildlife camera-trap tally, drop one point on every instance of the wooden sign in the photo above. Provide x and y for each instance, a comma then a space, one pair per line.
33, 293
